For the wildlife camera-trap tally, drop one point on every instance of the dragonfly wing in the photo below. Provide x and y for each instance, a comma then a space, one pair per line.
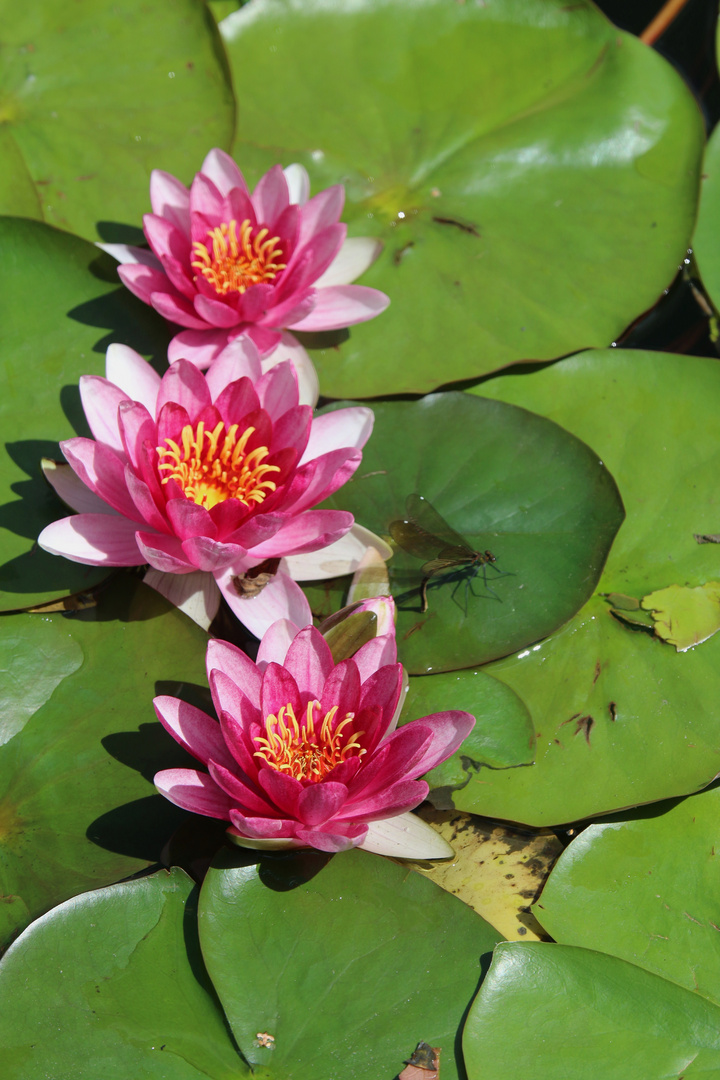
414, 539
423, 514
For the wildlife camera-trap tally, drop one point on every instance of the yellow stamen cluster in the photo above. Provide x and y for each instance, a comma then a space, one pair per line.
238, 258
302, 752
211, 467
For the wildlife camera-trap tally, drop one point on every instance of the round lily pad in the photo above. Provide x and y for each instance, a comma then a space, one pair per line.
530, 204
81, 743
510, 484
622, 717
644, 887
94, 96
112, 983
346, 964
62, 308
546, 1011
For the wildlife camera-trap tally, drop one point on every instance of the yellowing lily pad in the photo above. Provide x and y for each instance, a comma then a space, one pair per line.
683, 616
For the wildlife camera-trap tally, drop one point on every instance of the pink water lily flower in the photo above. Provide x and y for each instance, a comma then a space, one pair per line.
306, 752
205, 478
226, 262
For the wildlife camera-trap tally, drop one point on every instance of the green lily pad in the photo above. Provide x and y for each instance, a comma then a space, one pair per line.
509, 483
549, 1011
60, 296
531, 204
620, 718
503, 736
644, 888
35, 656
77, 806
112, 983
95, 96
706, 239
346, 965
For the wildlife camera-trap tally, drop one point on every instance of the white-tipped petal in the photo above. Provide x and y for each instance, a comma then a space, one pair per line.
128, 253
275, 642
195, 594
298, 183
342, 557
356, 255
131, 372
405, 837
371, 580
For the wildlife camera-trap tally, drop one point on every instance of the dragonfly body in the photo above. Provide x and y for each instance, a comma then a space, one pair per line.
425, 534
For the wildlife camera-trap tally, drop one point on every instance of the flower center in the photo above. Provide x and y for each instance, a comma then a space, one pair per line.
238, 258
211, 467
301, 751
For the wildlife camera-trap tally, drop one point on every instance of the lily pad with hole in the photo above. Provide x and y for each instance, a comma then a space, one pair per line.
531, 170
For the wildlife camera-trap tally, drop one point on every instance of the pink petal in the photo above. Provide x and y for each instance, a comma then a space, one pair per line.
262, 827
320, 802
163, 553
396, 799
70, 488
215, 312
312, 260
337, 430
278, 690
135, 425
292, 427
375, 654
337, 836
223, 172
188, 519
236, 401
211, 555
322, 210
237, 359
280, 599
342, 688
146, 509
194, 791
176, 309
182, 384
195, 594
309, 661
276, 642
199, 347
297, 306
166, 240
236, 666
338, 306
309, 531
170, 199
196, 732
133, 375
100, 400
93, 539
271, 197
255, 531
325, 475
205, 206
283, 790
307, 379
396, 758
103, 472
357, 254
143, 280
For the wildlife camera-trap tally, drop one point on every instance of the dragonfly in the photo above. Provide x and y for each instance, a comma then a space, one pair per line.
425, 534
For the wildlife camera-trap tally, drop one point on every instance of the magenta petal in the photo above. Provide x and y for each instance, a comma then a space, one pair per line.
449, 729
322, 210
396, 758
292, 428
215, 312
278, 690
196, 732
263, 828
271, 197
283, 790
143, 281
339, 836
337, 306
136, 425
309, 661
395, 799
205, 205
244, 796
232, 662
93, 539
324, 476
182, 384
237, 400
230, 697
188, 520
237, 734
342, 688
319, 802
194, 791
165, 239
144, 503
382, 690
